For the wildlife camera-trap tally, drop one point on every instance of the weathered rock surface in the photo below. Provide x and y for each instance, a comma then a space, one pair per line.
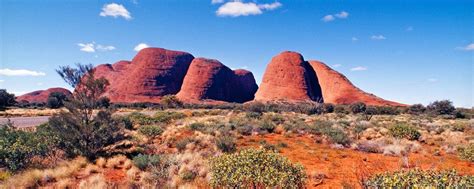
41, 96
153, 73
289, 77
209, 79
337, 89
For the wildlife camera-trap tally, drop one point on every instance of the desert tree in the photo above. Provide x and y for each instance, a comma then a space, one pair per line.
6, 99
80, 130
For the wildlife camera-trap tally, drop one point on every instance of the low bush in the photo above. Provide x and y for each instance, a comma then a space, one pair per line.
150, 130
419, 179
467, 152
170, 101
267, 126
166, 117
416, 109
328, 108
103, 102
402, 130
358, 107
226, 144
181, 144
255, 169
245, 130
340, 109
197, 126
188, 175
336, 135
145, 161
443, 107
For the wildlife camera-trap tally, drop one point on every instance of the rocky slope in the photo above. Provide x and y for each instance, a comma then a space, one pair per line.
41, 96
337, 89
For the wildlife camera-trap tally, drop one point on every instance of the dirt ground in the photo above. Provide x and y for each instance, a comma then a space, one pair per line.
337, 168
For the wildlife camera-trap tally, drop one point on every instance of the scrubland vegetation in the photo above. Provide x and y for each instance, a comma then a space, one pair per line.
254, 145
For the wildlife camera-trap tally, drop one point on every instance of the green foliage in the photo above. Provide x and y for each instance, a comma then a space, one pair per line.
56, 100
245, 130
145, 161
467, 152
197, 126
226, 144
328, 108
253, 115
340, 109
256, 168
150, 130
103, 102
358, 107
420, 179
188, 175
87, 139
17, 146
181, 144
416, 109
170, 101
443, 107
336, 135
403, 130
167, 117
6, 99
267, 126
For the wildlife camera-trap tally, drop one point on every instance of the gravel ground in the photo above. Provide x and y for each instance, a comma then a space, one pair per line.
26, 121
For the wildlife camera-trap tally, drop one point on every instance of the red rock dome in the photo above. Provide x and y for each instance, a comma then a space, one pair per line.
41, 96
209, 79
337, 89
289, 77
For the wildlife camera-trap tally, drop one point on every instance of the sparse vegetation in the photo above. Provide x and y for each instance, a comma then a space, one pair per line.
467, 152
402, 130
256, 168
420, 179
150, 130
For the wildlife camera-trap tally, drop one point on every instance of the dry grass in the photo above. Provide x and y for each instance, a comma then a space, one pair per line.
96, 181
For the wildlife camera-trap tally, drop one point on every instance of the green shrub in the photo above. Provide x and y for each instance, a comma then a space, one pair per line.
188, 175
358, 107
181, 144
166, 117
253, 115
467, 152
336, 135
416, 109
226, 144
443, 107
141, 119
402, 130
103, 102
150, 130
170, 101
340, 109
17, 147
56, 100
420, 179
6, 99
245, 130
267, 126
255, 168
328, 108
144, 161
197, 126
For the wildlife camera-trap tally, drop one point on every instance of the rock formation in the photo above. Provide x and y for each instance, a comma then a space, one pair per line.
155, 72
337, 89
41, 96
212, 80
289, 77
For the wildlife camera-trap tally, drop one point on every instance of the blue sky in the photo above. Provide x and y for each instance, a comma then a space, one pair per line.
406, 51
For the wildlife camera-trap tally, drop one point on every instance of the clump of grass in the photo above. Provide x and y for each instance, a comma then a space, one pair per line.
419, 179
226, 144
181, 144
402, 130
150, 130
467, 152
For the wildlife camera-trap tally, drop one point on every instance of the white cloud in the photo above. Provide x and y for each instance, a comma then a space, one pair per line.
469, 47
354, 39
328, 18
409, 28
358, 68
378, 37
87, 47
115, 10
342, 14
217, 1
271, 6
336, 65
20, 72
332, 17
39, 84
19, 93
140, 46
105, 48
432, 80
238, 8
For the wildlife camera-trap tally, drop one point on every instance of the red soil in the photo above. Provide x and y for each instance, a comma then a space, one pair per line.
348, 167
